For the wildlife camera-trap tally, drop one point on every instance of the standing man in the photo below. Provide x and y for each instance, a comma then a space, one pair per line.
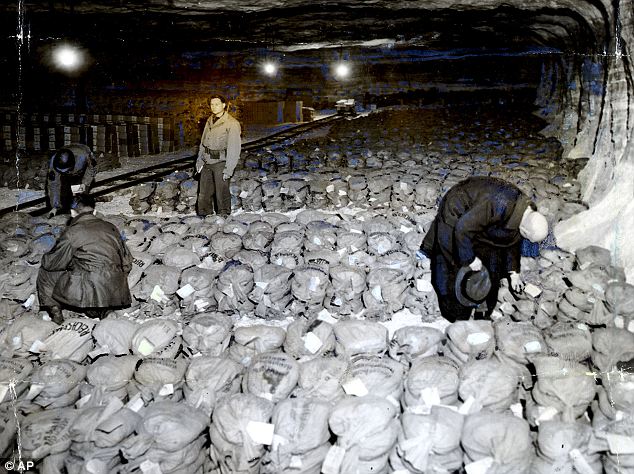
217, 159
72, 170
87, 269
480, 222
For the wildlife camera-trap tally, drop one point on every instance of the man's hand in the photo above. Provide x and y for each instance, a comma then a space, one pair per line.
476, 265
225, 176
52, 213
517, 285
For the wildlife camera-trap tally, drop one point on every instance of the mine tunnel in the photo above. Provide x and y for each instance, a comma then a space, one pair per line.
298, 326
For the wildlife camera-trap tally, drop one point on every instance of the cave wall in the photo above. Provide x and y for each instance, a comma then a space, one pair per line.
605, 137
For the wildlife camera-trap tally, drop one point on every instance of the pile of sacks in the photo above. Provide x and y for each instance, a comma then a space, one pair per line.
272, 267
196, 393
176, 192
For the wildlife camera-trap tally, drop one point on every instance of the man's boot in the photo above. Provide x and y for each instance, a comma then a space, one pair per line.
56, 315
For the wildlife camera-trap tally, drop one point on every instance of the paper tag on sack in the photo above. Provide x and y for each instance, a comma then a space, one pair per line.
150, 467
507, 308
333, 460
469, 406
545, 414
283, 190
403, 186
355, 387
376, 292
135, 403
37, 347
532, 290
330, 188
581, 464
477, 338
29, 302
620, 444
260, 433
243, 195
312, 342
356, 231
167, 389
630, 326
619, 322
185, 291
200, 305
75, 188
430, 396
325, 316
481, 466
278, 441
424, 286
341, 192
518, 410
532, 347
158, 295
145, 347
81, 402
296, 462
262, 284
96, 466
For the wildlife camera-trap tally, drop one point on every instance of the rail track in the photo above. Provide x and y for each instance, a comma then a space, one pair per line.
128, 179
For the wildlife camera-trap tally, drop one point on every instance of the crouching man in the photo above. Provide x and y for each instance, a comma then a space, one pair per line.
87, 269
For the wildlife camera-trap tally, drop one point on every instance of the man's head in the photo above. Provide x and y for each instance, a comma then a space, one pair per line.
81, 204
533, 226
63, 160
218, 104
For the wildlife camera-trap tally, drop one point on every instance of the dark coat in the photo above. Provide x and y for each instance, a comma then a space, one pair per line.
95, 263
479, 216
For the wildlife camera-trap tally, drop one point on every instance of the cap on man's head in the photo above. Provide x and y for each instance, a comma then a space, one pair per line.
64, 160
533, 226
83, 202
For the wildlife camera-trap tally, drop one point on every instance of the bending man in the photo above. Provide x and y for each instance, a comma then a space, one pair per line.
87, 269
72, 170
480, 221
218, 156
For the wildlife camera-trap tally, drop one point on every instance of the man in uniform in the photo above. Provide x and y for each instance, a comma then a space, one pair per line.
87, 269
480, 222
217, 159
72, 170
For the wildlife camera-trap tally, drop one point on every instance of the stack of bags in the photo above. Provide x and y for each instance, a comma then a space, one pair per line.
307, 338
348, 285
563, 390
97, 435
565, 447
250, 194
360, 337
232, 289
209, 379
322, 378
489, 385
386, 290
72, 340
379, 190
56, 384
249, 341
310, 284
272, 291
499, 443
168, 437
271, 375
108, 378
366, 429
141, 197
187, 195
238, 433
403, 192
358, 190
381, 376
300, 438
429, 442
207, 333
470, 340
431, 381
411, 342
23, 333
158, 379
271, 195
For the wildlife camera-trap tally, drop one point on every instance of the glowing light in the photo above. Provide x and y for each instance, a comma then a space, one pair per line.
270, 69
67, 57
342, 70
